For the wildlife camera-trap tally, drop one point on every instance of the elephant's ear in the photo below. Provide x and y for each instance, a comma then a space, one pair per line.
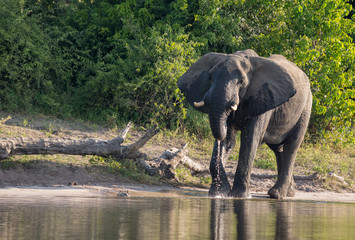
195, 82
270, 86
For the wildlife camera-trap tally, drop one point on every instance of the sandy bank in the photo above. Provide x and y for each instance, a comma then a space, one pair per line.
8, 193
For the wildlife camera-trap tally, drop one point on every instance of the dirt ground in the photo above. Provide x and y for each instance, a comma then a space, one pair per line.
62, 174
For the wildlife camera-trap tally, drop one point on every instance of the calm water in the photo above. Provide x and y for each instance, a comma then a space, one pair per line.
173, 218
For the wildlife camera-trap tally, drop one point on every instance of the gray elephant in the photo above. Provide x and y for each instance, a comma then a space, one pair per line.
268, 99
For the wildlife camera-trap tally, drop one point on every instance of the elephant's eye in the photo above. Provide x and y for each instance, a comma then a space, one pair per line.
210, 77
206, 103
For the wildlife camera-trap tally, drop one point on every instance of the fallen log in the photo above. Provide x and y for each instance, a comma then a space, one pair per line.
103, 148
165, 165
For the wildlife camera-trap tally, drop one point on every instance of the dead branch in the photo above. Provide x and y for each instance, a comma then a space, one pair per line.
171, 158
120, 139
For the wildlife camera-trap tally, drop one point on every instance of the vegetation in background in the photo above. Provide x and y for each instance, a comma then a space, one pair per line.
111, 61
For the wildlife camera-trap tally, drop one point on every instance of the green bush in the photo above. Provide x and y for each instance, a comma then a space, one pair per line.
24, 61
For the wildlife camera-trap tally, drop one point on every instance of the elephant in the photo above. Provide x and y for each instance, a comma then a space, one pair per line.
268, 100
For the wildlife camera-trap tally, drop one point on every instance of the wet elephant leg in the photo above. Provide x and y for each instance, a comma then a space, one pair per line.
220, 185
251, 135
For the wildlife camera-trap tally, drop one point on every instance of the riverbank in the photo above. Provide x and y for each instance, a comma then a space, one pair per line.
139, 190
87, 173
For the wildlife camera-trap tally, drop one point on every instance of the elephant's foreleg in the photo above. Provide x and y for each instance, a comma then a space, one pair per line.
220, 185
251, 136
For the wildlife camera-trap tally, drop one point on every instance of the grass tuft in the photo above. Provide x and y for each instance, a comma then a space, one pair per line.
125, 168
185, 177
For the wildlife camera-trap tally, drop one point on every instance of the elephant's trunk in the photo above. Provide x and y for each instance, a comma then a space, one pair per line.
218, 123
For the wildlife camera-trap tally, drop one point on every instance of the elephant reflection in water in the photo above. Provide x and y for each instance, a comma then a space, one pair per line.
218, 212
223, 220
284, 213
252, 220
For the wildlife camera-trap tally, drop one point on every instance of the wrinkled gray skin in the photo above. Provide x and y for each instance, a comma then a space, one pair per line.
272, 103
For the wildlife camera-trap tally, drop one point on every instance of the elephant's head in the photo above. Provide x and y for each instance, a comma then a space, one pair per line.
219, 84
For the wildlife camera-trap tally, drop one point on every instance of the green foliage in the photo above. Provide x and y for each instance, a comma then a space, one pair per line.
196, 123
265, 159
113, 61
184, 176
326, 158
132, 71
14, 163
315, 36
21, 61
7, 164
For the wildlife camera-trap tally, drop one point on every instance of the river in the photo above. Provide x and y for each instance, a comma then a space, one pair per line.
182, 217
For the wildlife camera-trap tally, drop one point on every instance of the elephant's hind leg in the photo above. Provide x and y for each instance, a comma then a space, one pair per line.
283, 186
277, 149
286, 158
291, 192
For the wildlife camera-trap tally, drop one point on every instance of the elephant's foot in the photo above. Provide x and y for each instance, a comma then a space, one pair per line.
219, 190
240, 193
282, 192
291, 192
278, 193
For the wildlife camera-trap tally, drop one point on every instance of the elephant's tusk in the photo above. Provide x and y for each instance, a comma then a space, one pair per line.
199, 104
234, 107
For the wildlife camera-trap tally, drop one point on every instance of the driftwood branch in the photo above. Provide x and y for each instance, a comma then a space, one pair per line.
176, 156
171, 158
104, 148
